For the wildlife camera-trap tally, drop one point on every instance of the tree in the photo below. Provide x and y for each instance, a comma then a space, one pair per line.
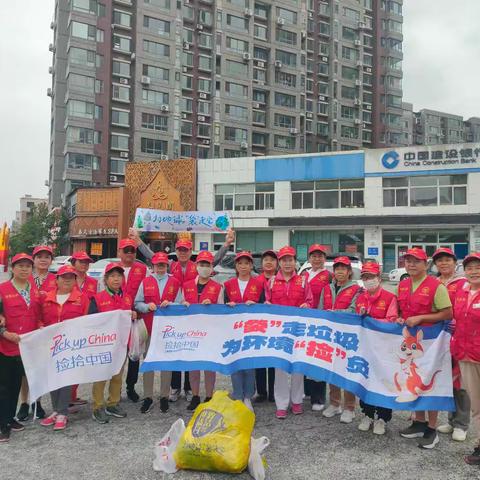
41, 228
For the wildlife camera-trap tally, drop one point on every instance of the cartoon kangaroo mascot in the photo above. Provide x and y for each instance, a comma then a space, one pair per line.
413, 386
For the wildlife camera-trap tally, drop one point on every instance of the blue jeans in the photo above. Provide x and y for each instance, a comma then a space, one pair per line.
243, 383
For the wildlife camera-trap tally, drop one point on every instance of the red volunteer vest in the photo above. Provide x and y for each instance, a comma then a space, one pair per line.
49, 283
420, 302
137, 273
252, 292
379, 307
89, 287
19, 317
211, 291
292, 293
151, 294
52, 312
106, 302
317, 284
454, 286
177, 272
466, 339
342, 301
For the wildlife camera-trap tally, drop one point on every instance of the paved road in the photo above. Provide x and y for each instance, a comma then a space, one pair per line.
302, 447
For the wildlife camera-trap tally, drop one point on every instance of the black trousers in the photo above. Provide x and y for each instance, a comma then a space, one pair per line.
384, 414
176, 382
132, 374
11, 373
261, 381
317, 391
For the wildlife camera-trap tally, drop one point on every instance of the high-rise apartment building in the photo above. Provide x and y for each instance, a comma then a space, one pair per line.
154, 79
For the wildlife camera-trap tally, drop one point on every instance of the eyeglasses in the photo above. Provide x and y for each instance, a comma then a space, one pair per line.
128, 250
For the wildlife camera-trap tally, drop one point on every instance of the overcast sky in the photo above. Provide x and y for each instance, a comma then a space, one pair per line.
441, 71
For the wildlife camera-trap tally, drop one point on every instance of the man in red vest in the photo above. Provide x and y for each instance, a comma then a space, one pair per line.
157, 290
422, 300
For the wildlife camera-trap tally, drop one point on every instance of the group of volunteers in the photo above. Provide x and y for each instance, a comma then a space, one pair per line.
34, 298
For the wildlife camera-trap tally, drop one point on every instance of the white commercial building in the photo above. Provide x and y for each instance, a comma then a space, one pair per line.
377, 202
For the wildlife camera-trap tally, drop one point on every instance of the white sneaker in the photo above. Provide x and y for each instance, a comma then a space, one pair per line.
331, 411
174, 395
379, 427
347, 416
365, 424
459, 435
248, 404
318, 407
445, 428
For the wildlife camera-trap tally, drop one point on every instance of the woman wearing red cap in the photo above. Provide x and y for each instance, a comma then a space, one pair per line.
112, 298
340, 296
422, 300
205, 291
81, 263
288, 288
378, 303
466, 345
318, 278
248, 290
20, 305
156, 291
459, 420
63, 303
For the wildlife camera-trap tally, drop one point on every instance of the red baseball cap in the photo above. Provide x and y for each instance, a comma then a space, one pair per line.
371, 267
42, 248
343, 261
112, 266
204, 256
65, 270
127, 242
244, 254
317, 248
287, 252
467, 259
80, 256
443, 251
21, 256
417, 253
184, 244
160, 257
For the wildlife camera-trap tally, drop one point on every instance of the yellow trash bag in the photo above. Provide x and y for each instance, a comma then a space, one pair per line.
217, 438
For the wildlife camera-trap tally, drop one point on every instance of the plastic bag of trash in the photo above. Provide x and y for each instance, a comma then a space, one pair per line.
164, 449
137, 343
256, 462
217, 438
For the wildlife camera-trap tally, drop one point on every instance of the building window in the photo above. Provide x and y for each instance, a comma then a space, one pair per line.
86, 31
227, 153
155, 122
159, 3
284, 121
81, 56
78, 108
122, 18
120, 117
425, 191
236, 90
245, 196
236, 112
236, 45
288, 15
122, 43
260, 32
122, 69
283, 142
157, 73
117, 166
261, 10
327, 194
82, 161
284, 100
236, 69
153, 145
156, 49
237, 23
233, 134
85, 6
119, 142
86, 136
284, 36
81, 82
159, 27
348, 132
152, 97
120, 93
287, 58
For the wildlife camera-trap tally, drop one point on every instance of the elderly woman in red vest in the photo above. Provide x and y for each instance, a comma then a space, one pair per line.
63, 303
112, 298
248, 290
19, 304
205, 291
340, 296
380, 304
288, 288
466, 344
156, 291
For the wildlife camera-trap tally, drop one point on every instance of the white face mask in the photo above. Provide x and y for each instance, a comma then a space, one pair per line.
204, 272
372, 284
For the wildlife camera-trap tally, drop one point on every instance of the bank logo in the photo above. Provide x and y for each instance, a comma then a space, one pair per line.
390, 159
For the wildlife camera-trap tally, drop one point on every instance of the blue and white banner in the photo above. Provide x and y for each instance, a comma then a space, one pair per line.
82, 350
148, 220
384, 364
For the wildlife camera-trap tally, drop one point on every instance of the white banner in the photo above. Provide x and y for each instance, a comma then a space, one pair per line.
82, 350
148, 220
383, 364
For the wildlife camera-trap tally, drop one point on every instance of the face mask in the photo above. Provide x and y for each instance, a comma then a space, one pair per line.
371, 284
204, 272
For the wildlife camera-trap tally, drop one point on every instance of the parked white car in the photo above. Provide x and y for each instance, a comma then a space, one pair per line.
399, 274
58, 262
96, 269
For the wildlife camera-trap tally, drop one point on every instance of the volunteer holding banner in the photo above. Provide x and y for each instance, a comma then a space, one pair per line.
156, 291
20, 305
63, 303
288, 288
